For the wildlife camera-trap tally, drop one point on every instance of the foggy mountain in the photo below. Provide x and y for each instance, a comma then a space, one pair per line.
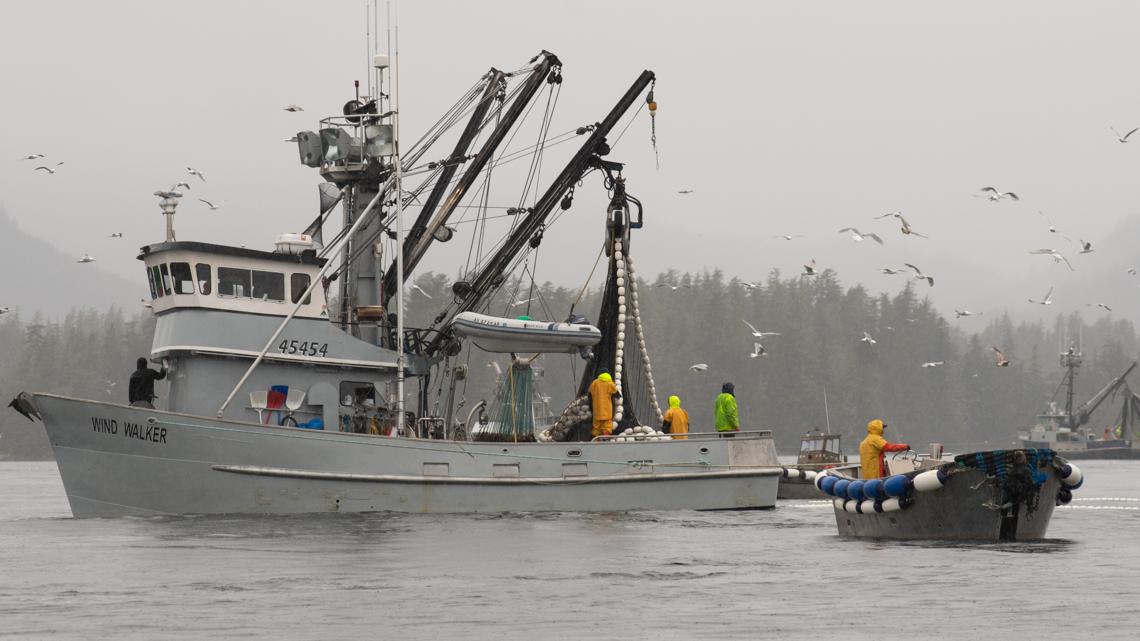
38, 277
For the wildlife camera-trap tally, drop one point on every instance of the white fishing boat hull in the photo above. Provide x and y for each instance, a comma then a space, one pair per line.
511, 335
120, 460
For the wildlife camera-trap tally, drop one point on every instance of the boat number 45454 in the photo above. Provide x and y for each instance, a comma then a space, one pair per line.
304, 348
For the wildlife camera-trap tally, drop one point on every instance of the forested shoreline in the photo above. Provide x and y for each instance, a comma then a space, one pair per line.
696, 318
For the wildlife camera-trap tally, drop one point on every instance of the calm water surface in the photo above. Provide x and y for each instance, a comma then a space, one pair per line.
778, 574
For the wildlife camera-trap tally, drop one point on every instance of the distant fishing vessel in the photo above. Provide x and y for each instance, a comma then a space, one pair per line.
1064, 429
818, 451
285, 398
1002, 495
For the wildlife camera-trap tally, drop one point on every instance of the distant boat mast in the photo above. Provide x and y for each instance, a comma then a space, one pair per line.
826, 413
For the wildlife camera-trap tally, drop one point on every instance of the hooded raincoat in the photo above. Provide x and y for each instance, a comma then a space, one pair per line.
676, 420
871, 463
601, 394
727, 419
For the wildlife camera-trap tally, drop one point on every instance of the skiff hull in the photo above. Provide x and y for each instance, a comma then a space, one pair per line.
971, 506
798, 490
119, 460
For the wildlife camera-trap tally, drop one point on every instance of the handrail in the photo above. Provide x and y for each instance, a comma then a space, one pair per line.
700, 436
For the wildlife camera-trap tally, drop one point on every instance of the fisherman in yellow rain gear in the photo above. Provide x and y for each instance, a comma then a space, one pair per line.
602, 392
872, 465
676, 420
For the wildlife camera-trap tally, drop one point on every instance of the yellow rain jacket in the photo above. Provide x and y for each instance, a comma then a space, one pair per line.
871, 464
601, 393
676, 419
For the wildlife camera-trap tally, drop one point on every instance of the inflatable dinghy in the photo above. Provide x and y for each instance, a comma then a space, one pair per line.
507, 335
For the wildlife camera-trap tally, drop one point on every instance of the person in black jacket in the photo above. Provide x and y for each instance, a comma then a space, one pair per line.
141, 390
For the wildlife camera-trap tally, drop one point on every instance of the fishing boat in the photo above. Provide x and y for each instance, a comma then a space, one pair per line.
1065, 429
1001, 495
288, 368
818, 451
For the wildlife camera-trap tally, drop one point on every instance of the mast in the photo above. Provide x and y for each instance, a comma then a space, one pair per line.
1070, 359
400, 356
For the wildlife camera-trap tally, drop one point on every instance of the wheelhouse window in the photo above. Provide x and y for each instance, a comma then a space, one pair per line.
150, 281
298, 283
234, 282
356, 393
251, 283
182, 278
202, 270
165, 278
268, 285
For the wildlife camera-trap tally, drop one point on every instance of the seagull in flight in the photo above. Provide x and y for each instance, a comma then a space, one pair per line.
890, 271
292, 139
757, 333
516, 303
1000, 359
810, 269
195, 172
420, 290
962, 313
1086, 247
1057, 256
858, 236
50, 170
788, 236
684, 191
699, 367
117, 234
995, 195
758, 351
1044, 301
209, 204
867, 339
906, 228
918, 275
184, 185
5, 310
673, 287
86, 258
146, 303
1131, 271
293, 108
32, 157
930, 364
1100, 305
1052, 228
1123, 138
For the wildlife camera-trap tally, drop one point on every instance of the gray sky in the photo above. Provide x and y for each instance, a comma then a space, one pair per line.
782, 117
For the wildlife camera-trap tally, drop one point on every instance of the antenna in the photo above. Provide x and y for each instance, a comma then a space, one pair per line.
399, 227
826, 413
367, 56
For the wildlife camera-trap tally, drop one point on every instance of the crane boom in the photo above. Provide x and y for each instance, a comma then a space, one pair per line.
1082, 414
542, 73
458, 155
588, 156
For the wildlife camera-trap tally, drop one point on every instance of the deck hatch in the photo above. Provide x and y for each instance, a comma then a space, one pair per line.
574, 469
436, 469
505, 470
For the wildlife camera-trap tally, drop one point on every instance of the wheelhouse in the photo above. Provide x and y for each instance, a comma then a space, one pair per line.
235, 279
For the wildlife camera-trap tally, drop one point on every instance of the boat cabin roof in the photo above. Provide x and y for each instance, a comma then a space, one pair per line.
188, 275
304, 258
